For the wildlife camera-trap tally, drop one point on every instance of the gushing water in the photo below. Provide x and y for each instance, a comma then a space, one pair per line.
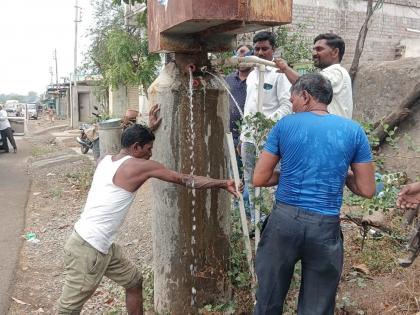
227, 89
193, 266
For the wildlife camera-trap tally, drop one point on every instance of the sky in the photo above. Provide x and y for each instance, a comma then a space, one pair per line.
30, 31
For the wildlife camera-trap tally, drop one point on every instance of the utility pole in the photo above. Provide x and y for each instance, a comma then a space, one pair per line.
77, 19
51, 75
57, 90
56, 68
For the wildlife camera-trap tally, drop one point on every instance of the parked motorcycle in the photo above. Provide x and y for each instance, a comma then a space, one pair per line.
88, 134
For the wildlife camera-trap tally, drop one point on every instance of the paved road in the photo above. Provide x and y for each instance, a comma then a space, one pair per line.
14, 190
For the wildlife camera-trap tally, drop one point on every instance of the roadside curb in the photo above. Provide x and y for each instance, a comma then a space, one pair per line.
52, 128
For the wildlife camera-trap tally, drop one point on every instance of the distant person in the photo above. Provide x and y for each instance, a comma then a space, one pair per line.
237, 85
327, 53
6, 131
316, 150
19, 110
90, 251
275, 104
50, 114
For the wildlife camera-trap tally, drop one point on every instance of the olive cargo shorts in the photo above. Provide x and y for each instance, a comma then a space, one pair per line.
84, 267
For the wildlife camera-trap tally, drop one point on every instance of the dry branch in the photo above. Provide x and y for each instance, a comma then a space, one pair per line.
397, 116
360, 43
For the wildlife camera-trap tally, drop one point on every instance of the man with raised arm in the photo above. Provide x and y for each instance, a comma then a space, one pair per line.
90, 251
275, 104
316, 150
327, 53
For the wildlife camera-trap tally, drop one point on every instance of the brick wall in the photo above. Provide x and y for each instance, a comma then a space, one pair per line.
345, 17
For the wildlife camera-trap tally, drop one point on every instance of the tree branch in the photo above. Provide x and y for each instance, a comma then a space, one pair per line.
360, 43
398, 115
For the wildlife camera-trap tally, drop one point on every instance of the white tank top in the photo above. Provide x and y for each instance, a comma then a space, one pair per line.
106, 206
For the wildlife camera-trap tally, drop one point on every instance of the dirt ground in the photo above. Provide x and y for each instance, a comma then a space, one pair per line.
57, 195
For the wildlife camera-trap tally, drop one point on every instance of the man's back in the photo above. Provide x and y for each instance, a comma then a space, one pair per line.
316, 151
106, 206
4, 121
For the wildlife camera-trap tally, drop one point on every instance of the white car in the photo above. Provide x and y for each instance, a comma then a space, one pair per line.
32, 111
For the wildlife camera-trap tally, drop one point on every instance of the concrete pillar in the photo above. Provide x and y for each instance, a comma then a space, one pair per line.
75, 108
190, 263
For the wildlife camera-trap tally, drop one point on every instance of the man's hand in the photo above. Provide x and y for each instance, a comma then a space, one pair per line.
283, 67
231, 187
409, 196
154, 119
281, 64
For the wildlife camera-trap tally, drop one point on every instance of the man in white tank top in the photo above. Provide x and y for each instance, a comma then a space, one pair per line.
90, 252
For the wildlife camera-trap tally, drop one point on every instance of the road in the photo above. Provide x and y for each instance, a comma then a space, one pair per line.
14, 190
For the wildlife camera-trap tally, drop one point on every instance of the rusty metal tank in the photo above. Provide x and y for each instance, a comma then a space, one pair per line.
209, 25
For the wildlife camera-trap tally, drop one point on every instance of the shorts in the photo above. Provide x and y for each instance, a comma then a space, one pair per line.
85, 267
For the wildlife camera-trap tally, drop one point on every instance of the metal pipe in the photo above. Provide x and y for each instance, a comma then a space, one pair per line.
252, 59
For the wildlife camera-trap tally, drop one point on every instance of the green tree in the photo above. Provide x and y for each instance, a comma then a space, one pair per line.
295, 47
119, 53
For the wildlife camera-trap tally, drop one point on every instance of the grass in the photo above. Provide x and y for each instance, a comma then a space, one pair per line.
56, 192
148, 288
81, 179
38, 151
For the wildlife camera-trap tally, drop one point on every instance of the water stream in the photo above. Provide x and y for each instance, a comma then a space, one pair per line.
193, 266
224, 84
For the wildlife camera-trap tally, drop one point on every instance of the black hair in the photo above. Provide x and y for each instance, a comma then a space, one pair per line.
243, 45
136, 133
333, 41
316, 85
264, 35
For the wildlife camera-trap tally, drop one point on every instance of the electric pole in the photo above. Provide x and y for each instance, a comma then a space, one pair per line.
77, 19
56, 68
51, 74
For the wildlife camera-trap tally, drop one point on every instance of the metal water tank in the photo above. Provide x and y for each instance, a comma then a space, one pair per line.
198, 25
109, 136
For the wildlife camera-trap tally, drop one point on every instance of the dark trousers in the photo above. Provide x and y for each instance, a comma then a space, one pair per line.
294, 234
8, 134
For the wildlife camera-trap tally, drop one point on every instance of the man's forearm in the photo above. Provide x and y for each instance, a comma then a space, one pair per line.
201, 182
291, 75
273, 181
351, 184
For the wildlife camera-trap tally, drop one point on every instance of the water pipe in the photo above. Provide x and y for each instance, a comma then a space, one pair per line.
251, 59
244, 222
191, 67
195, 83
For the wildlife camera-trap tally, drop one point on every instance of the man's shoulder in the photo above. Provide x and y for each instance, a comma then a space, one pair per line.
231, 75
344, 121
140, 164
335, 68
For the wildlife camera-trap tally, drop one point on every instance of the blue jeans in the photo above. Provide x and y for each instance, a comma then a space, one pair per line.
248, 162
292, 234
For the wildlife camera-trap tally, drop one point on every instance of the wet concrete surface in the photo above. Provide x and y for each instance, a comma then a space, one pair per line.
14, 190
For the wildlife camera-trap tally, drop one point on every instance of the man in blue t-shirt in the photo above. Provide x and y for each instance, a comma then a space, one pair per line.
316, 150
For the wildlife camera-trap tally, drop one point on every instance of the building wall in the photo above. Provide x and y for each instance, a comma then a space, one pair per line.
122, 99
345, 17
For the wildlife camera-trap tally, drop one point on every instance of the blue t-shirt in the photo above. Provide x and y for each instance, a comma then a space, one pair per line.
316, 151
